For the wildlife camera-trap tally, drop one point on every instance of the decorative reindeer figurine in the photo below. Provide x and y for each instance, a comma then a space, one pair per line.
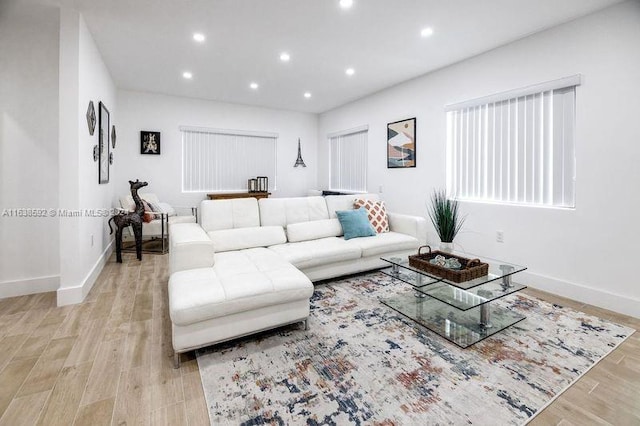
133, 219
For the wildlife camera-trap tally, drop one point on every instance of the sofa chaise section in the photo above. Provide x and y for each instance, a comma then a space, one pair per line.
224, 285
243, 293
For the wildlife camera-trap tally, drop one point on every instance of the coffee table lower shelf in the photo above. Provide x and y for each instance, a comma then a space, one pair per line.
463, 328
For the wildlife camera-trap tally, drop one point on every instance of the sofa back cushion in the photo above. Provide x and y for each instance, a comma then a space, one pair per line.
345, 202
244, 238
229, 214
305, 231
286, 211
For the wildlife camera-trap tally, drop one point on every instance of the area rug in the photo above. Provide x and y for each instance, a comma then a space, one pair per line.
363, 363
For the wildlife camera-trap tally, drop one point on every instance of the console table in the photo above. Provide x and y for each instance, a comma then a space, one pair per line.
463, 313
230, 195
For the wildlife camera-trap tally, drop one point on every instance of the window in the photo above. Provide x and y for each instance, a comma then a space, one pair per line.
515, 147
348, 152
223, 160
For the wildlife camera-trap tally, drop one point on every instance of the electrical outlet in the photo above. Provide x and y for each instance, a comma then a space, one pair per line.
500, 236
380, 189
91, 240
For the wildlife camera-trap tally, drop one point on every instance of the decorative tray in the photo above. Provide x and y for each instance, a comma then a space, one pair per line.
468, 269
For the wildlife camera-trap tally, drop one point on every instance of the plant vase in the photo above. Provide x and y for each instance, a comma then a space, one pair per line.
446, 218
448, 247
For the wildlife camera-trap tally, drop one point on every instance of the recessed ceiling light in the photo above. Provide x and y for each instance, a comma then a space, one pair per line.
187, 75
346, 4
199, 37
254, 85
350, 71
426, 32
284, 57
307, 95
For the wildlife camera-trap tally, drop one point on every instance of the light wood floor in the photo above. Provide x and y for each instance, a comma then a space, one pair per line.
108, 360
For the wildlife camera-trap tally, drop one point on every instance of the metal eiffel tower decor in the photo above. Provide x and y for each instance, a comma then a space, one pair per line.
299, 160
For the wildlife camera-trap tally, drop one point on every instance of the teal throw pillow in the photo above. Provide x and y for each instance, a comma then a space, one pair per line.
355, 223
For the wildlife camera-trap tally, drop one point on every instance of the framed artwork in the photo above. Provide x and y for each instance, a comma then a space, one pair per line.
149, 142
103, 144
401, 144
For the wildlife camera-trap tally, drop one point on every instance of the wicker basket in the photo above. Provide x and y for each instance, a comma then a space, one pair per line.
470, 269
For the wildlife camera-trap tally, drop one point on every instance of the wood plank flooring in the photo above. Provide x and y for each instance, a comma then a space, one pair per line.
108, 360
105, 361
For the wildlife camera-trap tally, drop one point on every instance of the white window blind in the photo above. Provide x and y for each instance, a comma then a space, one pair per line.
348, 168
518, 147
223, 160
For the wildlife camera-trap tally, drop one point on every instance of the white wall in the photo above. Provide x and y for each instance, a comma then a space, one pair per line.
589, 253
145, 111
28, 146
85, 241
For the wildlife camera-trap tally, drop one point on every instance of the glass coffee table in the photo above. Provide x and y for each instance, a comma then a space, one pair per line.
463, 313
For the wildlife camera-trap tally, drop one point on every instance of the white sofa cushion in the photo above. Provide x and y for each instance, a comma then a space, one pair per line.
345, 202
243, 238
240, 281
317, 252
191, 248
229, 214
384, 243
285, 211
305, 231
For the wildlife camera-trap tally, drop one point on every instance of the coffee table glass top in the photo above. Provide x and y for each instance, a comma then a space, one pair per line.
410, 276
459, 327
467, 299
497, 269
454, 296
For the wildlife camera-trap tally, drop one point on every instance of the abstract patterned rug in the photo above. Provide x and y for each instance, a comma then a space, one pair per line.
363, 363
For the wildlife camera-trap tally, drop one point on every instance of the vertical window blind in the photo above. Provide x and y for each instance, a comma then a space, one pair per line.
348, 166
517, 147
223, 160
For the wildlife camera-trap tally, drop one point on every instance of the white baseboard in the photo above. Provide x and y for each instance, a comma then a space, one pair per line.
76, 294
593, 296
29, 286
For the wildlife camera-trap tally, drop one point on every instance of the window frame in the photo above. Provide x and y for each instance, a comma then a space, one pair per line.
273, 137
365, 159
469, 123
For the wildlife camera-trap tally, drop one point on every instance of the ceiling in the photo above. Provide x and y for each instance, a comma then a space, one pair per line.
148, 44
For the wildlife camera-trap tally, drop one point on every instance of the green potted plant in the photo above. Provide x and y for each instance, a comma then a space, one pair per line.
446, 218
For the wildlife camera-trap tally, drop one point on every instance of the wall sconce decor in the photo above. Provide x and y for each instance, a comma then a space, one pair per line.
299, 160
113, 136
263, 184
252, 185
91, 118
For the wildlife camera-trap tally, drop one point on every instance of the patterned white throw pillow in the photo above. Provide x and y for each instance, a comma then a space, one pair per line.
377, 214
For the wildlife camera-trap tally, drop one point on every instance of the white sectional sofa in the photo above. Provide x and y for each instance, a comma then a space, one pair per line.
248, 265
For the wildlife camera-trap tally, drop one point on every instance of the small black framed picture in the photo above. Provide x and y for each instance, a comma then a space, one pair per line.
149, 142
